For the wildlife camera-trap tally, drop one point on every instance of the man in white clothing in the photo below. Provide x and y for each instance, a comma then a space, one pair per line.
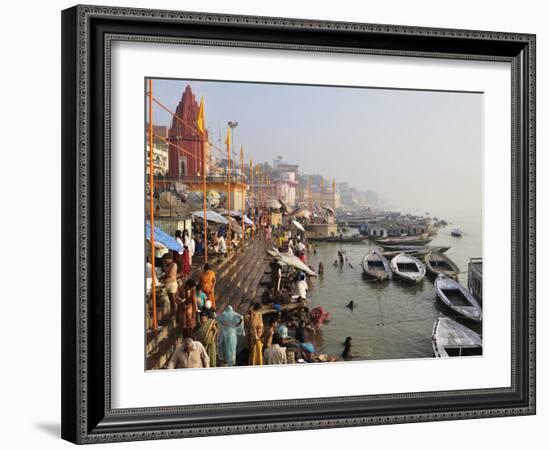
275, 354
301, 286
191, 354
222, 246
190, 244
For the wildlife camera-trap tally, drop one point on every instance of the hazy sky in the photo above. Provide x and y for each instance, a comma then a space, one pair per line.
417, 149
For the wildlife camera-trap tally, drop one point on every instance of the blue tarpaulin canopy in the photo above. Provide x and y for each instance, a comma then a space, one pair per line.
164, 238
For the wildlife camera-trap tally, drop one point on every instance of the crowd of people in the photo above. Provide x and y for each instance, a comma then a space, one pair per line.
227, 338
230, 339
217, 241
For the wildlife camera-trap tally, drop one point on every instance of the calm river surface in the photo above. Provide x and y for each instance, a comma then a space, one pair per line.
391, 320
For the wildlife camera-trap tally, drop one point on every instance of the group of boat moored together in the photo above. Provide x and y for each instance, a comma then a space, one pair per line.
410, 259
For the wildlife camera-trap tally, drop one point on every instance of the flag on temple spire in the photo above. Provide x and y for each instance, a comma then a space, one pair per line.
227, 141
200, 118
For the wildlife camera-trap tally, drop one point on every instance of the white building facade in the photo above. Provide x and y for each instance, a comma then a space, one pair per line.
286, 187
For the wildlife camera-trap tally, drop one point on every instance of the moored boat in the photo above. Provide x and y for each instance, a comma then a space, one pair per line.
376, 266
450, 338
455, 296
405, 240
341, 239
413, 250
408, 268
439, 264
456, 233
404, 248
475, 278
348, 239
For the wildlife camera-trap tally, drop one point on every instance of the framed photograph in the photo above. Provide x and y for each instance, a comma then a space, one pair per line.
283, 224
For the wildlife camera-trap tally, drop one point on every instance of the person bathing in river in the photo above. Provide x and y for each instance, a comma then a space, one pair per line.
318, 316
346, 354
321, 269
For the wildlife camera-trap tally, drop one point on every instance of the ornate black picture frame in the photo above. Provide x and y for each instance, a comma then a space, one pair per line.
87, 34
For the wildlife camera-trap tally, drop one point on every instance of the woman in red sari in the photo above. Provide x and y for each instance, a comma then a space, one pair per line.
187, 309
186, 265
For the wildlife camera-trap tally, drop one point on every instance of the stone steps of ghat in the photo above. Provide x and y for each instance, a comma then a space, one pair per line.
243, 292
236, 283
159, 359
168, 325
255, 288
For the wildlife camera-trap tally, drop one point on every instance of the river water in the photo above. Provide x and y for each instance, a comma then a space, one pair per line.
392, 319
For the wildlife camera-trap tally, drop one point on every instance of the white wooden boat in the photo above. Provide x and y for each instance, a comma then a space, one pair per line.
450, 338
452, 294
439, 264
405, 240
475, 278
408, 268
405, 248
418, 252
376, 266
